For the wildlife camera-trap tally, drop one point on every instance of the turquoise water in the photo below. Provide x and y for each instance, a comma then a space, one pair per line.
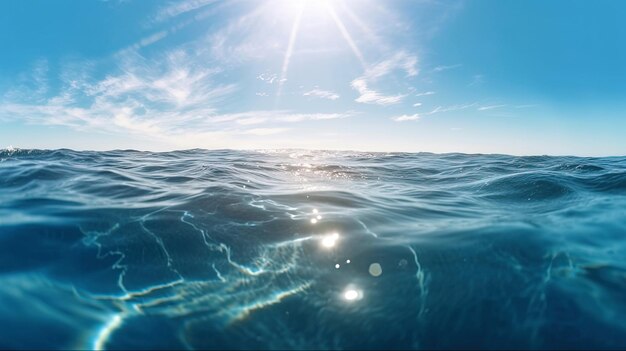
310, 249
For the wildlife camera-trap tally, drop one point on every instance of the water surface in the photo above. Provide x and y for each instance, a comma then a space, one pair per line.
310, 250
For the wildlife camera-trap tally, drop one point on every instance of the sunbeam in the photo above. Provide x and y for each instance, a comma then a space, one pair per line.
289, 51
346, 35
369, 33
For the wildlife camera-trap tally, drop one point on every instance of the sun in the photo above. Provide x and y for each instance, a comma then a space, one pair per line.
313, 8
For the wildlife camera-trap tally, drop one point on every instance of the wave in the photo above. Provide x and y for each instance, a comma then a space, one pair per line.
310, 249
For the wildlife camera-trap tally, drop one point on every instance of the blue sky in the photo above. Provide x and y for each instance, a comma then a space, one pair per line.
480, 76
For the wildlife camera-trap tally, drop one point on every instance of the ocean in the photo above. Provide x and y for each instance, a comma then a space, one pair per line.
293, 249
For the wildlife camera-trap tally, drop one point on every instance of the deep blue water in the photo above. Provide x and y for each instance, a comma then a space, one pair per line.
218, 249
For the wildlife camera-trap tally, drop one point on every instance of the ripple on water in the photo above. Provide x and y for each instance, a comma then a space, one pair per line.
293, 249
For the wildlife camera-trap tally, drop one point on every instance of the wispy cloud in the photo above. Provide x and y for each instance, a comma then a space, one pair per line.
405, 118
180, 7
146, 41
426, 93
322, 94
489, 107
445, 68
401, 60
440, 109
367, 95
268, 78
298, 117
417, 104
275, 116
171, 98
245, 37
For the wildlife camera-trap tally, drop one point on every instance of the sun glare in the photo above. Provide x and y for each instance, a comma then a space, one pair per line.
312, 9
352, 293
330, 240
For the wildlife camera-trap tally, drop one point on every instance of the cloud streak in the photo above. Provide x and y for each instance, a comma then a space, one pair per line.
181, 7
490, 107
446, 68
405, 118
370, 96
367, 95
268, 78
322, 94
426, 93
441, 109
